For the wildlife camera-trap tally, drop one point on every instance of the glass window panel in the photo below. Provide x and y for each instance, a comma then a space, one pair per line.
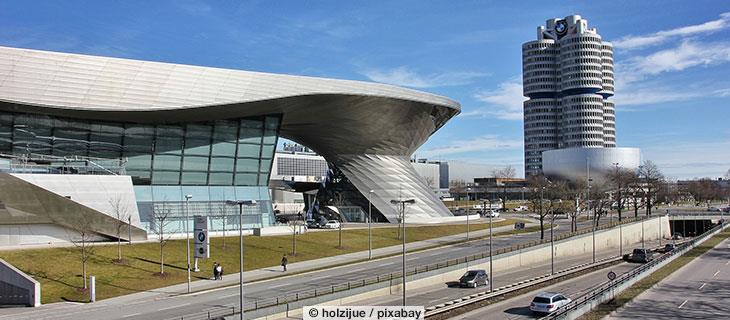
198, 193
143, 162
197, 147
250, 123
270, 137
198, 131
263, 179
167, 193
247, 165
249, 150
140, 177
169, 131
224, 149
225, 131
194, 178
191, 163
168, 145
222, 194
134, 130
166, 162
221, 164
165, 177
272, 123
246, 179
221, 179
265, 165
143, 193
248, 135
137, 144
251, 192
267, 151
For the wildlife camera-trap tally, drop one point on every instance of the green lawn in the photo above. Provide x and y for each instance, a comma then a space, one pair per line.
59, 269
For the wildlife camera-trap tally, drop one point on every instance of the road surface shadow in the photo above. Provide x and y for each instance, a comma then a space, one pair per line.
522, 311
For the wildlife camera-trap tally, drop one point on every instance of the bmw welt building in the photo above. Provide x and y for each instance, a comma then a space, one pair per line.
87, 142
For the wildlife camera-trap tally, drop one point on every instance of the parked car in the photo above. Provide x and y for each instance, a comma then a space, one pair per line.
713, 209
491, 213
677, 236
547, 302
639, 255
726, 209
281, 219
667, 248
331, 224
520, 208
474, 278
313, 224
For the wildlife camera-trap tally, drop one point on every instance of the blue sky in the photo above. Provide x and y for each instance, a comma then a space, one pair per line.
672, 59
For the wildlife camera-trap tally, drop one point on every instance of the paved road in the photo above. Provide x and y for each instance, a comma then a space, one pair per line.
173, 307
518, 307
436, 294
699, 290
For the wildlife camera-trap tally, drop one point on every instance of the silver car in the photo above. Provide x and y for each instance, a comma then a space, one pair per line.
548, 302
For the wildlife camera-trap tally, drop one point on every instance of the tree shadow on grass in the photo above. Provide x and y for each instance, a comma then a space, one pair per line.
158, 263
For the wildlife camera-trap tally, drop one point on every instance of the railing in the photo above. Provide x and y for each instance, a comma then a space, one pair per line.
394, 277
598, 291
62, 165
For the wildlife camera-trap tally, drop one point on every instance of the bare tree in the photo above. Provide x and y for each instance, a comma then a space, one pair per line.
457, 187
161, 216
223, 211
541, 190
296, 226
506, 172
727, 175
651, 177
598, 201
429, 182
122, 215
620, 179
81, 236
574, 191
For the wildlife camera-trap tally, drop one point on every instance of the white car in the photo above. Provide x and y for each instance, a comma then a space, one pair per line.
547, 302
492, 213
331, 224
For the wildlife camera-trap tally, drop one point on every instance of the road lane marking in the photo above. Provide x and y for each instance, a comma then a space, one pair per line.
322, 277
173, 307
279, 286
131, 315
716, 272
682, 305
728, 262
703, 285
360, 269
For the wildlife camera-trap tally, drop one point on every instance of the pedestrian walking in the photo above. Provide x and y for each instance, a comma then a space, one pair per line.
215, 271
284, 261
219, 270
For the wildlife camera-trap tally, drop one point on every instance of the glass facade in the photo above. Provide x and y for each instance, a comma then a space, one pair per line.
213, 161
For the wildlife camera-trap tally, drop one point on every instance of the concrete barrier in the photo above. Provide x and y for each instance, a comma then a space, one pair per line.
17, 288
630, 234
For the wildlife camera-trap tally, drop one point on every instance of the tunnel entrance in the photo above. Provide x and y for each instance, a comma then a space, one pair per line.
691, 227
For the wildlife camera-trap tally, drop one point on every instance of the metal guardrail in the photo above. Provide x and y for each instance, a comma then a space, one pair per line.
477, 297
393, 277
641, 271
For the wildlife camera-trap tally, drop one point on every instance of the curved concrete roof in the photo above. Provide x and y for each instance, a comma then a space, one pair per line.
368, 130
83, 82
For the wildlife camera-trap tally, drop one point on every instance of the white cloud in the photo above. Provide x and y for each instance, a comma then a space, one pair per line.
403, 76
690, 160
652, 95
483, 143
636, 42
504, 103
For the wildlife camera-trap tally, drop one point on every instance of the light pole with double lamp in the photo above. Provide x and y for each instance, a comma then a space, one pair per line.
370, 218
402, 207
187, 233
240, 204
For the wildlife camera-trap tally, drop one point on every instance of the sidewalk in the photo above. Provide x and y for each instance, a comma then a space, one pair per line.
232, 277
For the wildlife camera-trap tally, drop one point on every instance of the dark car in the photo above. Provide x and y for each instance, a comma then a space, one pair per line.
667, 248
281, 219
640, 255
474, 278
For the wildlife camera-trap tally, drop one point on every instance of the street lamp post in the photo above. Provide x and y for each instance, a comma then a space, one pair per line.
370, 218
240, 204
187, 233
491, 274
402, 207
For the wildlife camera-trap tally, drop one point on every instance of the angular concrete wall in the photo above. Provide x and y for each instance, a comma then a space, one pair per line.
17, 288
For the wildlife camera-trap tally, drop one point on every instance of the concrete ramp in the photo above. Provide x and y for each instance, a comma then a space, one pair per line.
17, 288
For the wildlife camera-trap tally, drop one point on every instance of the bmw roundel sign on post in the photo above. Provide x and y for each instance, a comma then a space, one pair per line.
202, 246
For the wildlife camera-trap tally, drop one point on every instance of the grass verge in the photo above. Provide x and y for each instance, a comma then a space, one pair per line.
59, 269
654, 278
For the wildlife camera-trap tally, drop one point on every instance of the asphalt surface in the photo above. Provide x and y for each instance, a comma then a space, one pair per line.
519, 306
175, 307
699, 290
